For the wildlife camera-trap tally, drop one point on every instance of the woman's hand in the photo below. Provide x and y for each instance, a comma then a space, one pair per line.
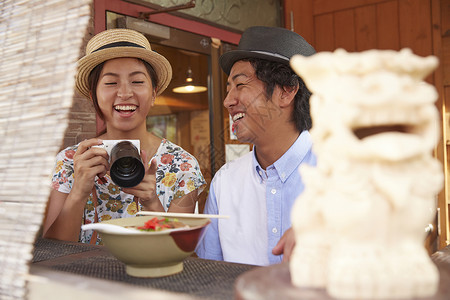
88, 162
65, 211
145, 192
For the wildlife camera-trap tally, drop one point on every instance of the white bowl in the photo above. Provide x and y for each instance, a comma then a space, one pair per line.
152, 254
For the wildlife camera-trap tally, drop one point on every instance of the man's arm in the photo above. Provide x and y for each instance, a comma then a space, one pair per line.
209, 247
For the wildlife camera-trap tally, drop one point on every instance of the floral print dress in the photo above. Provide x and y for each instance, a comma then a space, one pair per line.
178, 173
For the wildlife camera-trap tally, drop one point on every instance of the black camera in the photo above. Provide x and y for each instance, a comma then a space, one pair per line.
126, 166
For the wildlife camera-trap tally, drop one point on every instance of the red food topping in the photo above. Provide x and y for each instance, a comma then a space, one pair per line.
156, 224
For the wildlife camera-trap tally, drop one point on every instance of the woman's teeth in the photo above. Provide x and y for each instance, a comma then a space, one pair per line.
238, 116
125, 107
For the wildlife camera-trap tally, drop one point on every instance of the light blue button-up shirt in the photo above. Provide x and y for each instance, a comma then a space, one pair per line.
254, 198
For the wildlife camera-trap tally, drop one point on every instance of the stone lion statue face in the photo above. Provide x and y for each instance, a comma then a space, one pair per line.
371, 106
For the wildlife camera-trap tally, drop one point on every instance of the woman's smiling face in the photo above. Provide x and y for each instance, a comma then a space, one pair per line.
125, 93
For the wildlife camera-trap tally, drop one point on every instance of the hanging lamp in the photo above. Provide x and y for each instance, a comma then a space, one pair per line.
189, 86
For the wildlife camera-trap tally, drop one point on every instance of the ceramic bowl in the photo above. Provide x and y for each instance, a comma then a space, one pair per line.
153, 254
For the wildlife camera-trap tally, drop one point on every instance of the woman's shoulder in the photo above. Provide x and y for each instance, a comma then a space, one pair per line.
172, 148
67, 153
170, 145
172, 154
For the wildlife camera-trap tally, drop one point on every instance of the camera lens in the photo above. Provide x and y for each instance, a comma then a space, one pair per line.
126, 166
127, 169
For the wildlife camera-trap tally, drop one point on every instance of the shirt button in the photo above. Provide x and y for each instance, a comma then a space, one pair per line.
283, 175
260, 173
274, 230
273, 191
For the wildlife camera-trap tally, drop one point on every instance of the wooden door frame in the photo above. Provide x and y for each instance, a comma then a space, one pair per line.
442, 218
166, 19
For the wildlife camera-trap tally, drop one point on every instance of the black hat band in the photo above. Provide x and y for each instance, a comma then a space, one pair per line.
271, 54
118, 44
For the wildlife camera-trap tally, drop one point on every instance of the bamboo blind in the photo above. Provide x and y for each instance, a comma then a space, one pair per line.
40, 42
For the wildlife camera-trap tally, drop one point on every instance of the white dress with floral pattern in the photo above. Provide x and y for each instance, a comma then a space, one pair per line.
178, 173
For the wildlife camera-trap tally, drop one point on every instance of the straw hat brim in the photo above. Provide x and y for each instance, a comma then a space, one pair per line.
159, 63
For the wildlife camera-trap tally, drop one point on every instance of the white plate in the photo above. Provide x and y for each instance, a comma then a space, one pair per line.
116, 229
180, 215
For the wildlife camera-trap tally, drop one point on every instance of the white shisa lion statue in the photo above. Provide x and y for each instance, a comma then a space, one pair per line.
360, 223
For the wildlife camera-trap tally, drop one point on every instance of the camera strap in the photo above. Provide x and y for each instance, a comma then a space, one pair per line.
94, 202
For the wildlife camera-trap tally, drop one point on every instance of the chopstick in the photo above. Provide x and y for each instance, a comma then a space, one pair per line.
181, 215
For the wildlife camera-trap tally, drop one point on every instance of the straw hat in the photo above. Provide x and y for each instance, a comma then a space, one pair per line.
270, 43
116, 43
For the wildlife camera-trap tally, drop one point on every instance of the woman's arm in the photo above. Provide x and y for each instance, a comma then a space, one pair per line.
64, 215
65, 210
184, 204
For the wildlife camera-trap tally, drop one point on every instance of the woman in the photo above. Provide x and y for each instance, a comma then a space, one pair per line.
122, 76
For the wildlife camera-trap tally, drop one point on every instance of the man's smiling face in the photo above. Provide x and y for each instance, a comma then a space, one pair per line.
247, 103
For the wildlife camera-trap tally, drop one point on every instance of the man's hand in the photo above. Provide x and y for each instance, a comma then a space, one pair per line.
285, 245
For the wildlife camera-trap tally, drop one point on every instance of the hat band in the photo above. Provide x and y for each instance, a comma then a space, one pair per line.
118, 44
271, 54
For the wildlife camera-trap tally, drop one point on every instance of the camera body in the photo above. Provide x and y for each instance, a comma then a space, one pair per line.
108, 145
126, 166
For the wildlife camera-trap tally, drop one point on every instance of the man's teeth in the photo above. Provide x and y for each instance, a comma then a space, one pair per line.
238, 116
125, 107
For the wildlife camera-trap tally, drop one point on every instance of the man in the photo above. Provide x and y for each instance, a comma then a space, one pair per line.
269, 106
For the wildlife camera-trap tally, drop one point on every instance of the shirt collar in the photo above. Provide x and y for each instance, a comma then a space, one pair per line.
259, 171
290, 160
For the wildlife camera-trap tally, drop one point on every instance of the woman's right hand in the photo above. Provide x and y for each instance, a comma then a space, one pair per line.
65, 211
88, 163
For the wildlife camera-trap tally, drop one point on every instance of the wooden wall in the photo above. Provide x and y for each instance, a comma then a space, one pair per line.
357, 25
82, 117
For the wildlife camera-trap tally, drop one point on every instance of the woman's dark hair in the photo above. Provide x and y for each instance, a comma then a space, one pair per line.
94, 77
273, 74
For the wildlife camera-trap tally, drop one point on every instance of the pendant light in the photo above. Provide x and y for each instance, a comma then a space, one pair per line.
189, 87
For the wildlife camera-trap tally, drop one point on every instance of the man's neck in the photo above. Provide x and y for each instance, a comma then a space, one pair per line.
271, 149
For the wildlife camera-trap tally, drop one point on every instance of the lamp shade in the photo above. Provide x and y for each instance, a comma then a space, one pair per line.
189, 87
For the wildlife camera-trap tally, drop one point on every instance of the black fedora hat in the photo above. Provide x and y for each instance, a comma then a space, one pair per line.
271, 43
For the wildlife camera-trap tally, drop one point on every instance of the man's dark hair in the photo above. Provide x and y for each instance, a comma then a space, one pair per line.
273, 74
94, 77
